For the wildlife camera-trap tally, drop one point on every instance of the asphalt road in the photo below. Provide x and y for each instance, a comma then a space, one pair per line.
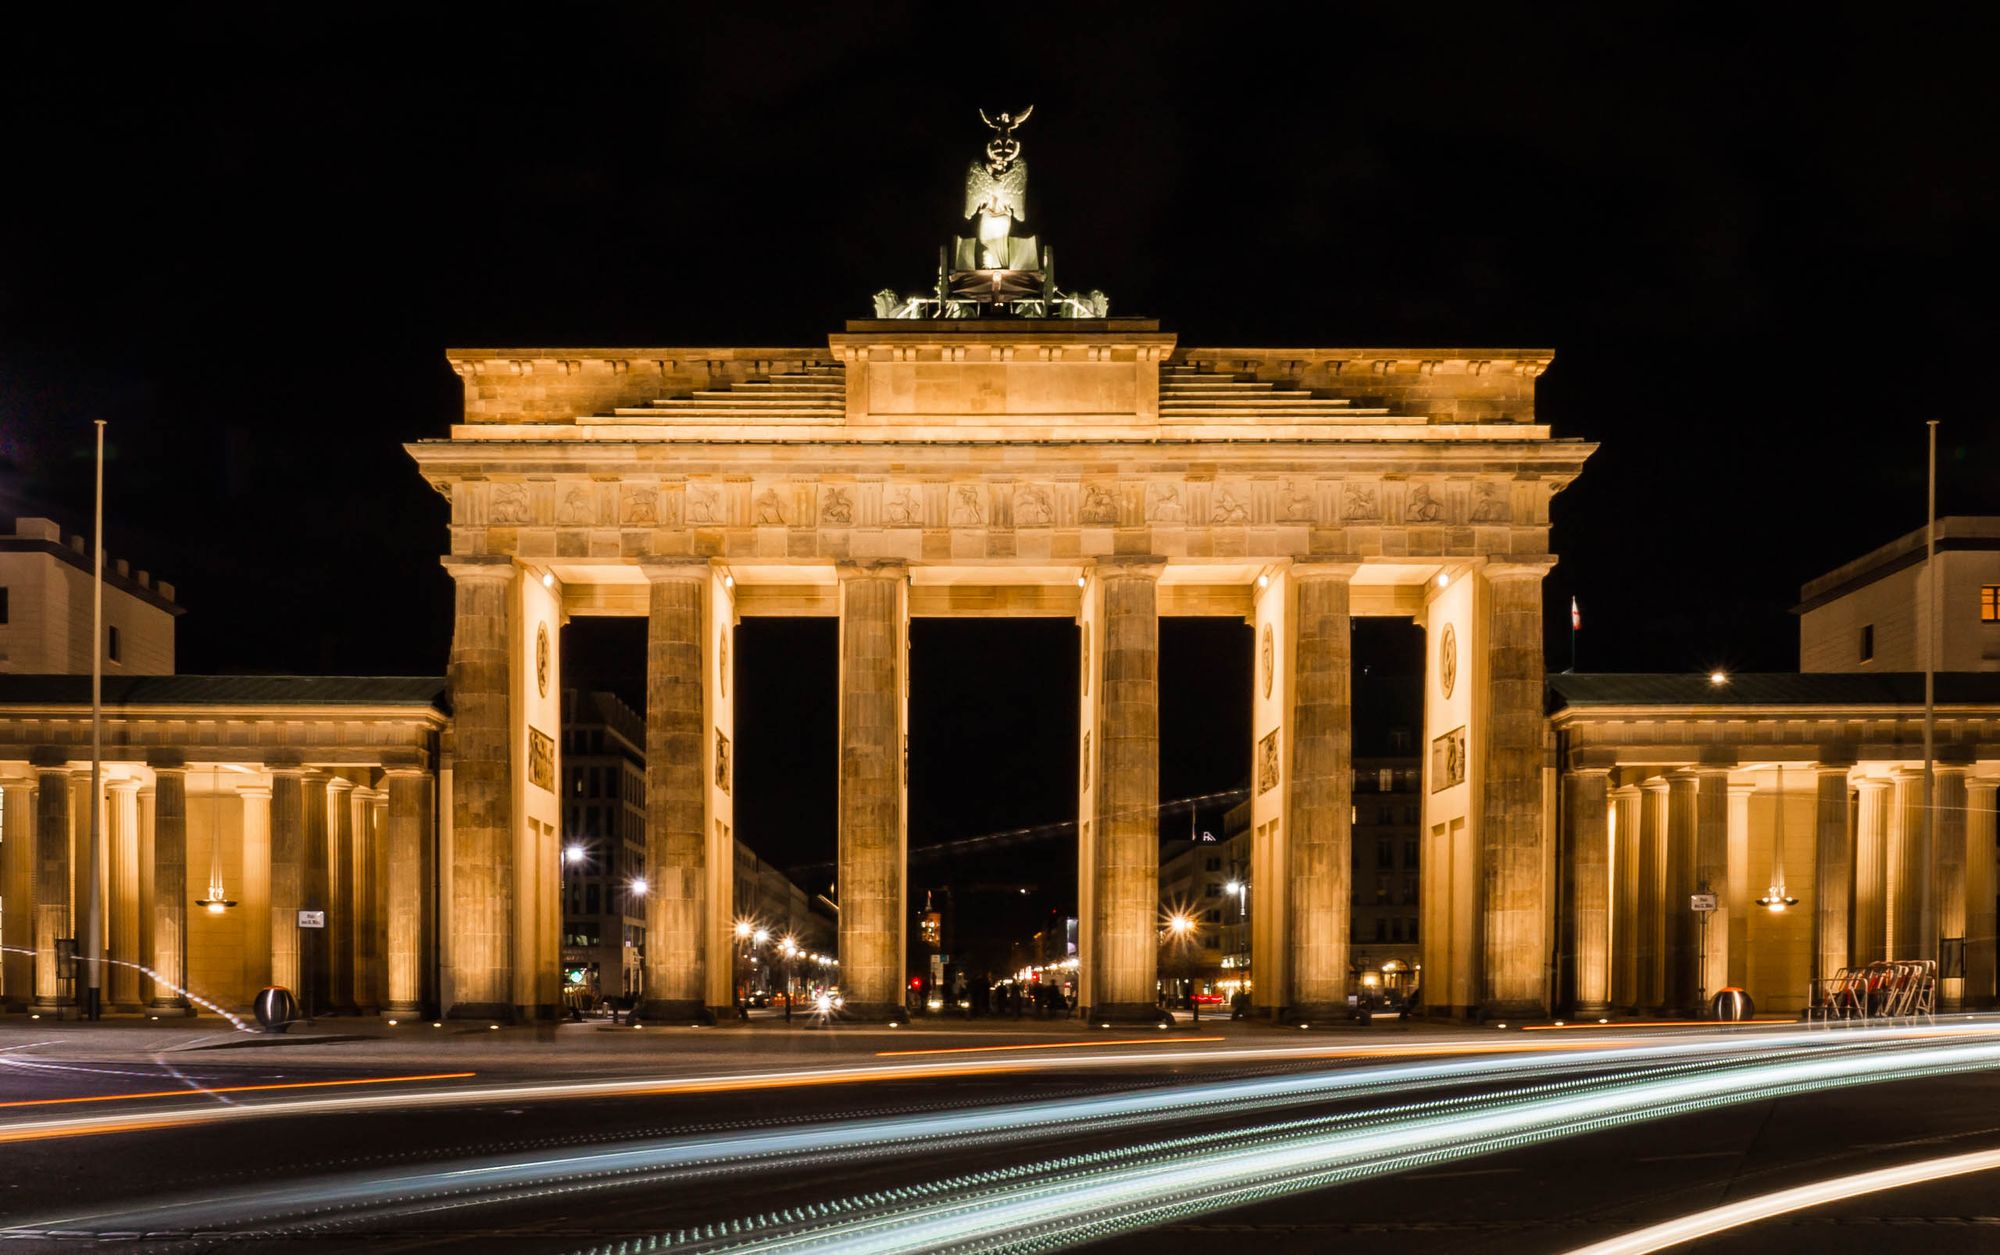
754, 1138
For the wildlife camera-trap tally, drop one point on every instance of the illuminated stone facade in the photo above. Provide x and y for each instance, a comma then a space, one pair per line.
1091, 470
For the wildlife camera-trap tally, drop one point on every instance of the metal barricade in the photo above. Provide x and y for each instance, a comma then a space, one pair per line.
1888, 989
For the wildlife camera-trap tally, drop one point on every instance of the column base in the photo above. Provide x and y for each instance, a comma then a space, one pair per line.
1318, 1014
164, 1008
1511, 1011
51, 1006
870, 1013
1592, 1011
1129, 1014
402, 1011
673, 1011
491, 1012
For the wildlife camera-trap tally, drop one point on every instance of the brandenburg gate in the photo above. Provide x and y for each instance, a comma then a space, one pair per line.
999, 447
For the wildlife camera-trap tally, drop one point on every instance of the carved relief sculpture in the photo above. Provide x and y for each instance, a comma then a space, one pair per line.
1423, 508
836, 507
1447, 659
1448, 760
721, 761
1488, 506
1163, 503
965, 508
1360, 502
903, 509
542, 659
1267, 762
640, 506
1086, 760
575, 508
1296, 504
1267, 658
1031, 506
541, 760
1100, 504
1227, 509
770, 509
704, 504
722, 662
510, 504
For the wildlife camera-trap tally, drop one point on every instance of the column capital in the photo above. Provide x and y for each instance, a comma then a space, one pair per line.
1871, 784
1129, 566
1598, 760
1518, 567
872, 569
1741, 788
255, 791
1327, 569
406, 770
1654, 784
1982, 783
672, 572
338, 784
124, 784
167, 763
469, 567
1831, 763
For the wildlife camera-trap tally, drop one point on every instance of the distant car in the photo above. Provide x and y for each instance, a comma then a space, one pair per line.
1209, 1000
758, 999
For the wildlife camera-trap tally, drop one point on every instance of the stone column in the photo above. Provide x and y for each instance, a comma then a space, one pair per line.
1948, 879
1652, 939
480, 914
409, 812
1906, 867
1682, 928
1627, 871
1321, 784
315, 957
147, 989
256, 888
1589, 868
52, 878
121, 975
1980, 836
363, 956
677, 796
17, 892
874, 761
1732, 922
288, 838
1871, 853
379, 878
1123, 950
1513, 895
170, 895
341, 902
1833, 869
1711, 936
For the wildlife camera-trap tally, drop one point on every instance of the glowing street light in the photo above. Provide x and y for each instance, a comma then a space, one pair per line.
573, 854
1718, 677
761, 936
639, 886
742, 930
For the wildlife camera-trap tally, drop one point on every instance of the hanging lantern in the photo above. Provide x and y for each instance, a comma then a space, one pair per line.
216, 902
1775, 898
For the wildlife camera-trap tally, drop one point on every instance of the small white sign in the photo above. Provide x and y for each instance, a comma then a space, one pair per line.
1703, 902
312, 919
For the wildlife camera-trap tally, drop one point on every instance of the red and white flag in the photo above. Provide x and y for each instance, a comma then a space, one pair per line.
1575, 617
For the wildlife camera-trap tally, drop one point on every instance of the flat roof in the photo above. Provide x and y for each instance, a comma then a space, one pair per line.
1956, 532
226, 690
1904, 688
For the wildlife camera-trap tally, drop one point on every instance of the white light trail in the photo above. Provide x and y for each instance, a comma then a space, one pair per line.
1703, 1224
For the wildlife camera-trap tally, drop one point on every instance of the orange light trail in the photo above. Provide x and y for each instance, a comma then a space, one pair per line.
1048, 1045
237, 1089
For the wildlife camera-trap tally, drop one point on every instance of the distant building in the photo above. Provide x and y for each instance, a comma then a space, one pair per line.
1202, 879
45, 608
1872, 614
604, 820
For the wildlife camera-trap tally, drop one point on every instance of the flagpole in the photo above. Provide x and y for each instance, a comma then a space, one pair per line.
93, 1003
1575, 624
1927, 943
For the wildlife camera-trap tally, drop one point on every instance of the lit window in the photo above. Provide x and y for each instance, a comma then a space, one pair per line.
111, 643
1868, 643
1989, 604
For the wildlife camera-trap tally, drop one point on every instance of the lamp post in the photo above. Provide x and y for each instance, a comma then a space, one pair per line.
790, 949
1180, 930
744, 931
572, 855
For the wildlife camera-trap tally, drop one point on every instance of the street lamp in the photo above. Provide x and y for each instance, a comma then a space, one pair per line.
790, 949
745, 930
1181, 927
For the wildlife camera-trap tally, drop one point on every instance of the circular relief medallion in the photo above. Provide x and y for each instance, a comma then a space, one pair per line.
1086, 661
542, 659
1448, 659
722, 662
1267, 655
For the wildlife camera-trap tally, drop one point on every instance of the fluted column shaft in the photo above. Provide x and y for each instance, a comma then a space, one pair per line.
676, 795
1683, 929
1948, 880
1627, 870
1871, 855
1833, 870
288, 838
52, 885
1907, 867
341, 902
1980, 836
121, 975
1585, 797
480, 915
1321, 799
255, 891
1652, 940
17, 892
1124, 947
409, 813
873, 795
170, 895
315, 956
1514, 895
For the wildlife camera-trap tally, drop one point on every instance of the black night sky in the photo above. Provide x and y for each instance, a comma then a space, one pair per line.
246, 237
